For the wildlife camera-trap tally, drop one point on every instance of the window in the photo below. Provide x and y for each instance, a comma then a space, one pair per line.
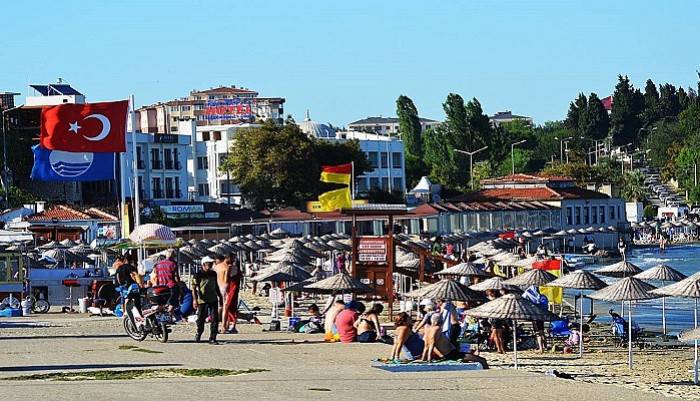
202, 163
174, 108
173, 128
397, 184
222, 158
569, 216
385, 183
594, 215
619, 213
361, 184
169, 188
156, 162
373, 159
203, 189
612, 212
586, 215
177, 188
578, 215
602, 215
157, 190
205, 136
211, 97
217, 135
185, 108
228, 187
199, 106
374, 183
396, 160
385, 161
168, 158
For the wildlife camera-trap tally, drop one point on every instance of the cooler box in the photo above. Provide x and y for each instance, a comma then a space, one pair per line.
11, 312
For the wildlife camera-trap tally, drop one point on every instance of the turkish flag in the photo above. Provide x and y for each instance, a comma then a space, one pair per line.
90, 127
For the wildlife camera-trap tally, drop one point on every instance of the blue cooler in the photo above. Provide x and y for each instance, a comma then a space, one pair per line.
11, 312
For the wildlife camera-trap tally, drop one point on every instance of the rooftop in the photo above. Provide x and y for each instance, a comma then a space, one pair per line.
530, 194
55, 90
526, 178
507, 115
385, 120
67, 213
224, 90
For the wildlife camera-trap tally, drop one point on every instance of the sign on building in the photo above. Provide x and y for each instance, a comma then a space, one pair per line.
230, 109
183, 211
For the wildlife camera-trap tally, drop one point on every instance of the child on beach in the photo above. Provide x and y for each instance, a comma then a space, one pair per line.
432, 334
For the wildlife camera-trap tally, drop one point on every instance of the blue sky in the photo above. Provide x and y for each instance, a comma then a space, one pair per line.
349, 60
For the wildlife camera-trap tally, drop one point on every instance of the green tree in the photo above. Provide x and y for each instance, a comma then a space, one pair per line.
689, 122
627, 106
633, 186
479, 125
409, 126
571, 121
683, 98
596, 123
685, 163
521, 159
439, 156
669, 105
660, 138
651, 103
499, 146
482, 171
17, 197
456, 121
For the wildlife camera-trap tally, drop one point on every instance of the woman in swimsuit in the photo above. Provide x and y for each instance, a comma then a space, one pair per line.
368, 327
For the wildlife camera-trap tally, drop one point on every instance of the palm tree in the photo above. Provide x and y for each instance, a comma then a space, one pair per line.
633, 186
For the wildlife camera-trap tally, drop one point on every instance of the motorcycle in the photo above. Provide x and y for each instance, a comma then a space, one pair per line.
153, 319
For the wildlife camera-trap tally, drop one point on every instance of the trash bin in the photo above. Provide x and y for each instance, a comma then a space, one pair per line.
83, 305
26, 307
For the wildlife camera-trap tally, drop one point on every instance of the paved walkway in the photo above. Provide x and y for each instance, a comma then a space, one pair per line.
300, 367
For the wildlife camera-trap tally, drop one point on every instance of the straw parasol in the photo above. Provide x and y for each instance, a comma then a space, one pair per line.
686, 288
662, 273
494, 283
283, 272
535, 277
463, 269
628, 289
449, 290
619, 270
511, 306
338, 284
581, 280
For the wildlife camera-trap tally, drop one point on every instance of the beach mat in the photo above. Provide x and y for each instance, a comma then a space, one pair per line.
444, 366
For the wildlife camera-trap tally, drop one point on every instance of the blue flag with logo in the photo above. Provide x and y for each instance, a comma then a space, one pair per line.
58, 165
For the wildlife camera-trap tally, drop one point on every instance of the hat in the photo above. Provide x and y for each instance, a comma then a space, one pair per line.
207, 259
426, 302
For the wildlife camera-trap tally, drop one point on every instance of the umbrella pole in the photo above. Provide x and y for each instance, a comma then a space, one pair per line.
695, 360
580, 341
629, 336
515, 342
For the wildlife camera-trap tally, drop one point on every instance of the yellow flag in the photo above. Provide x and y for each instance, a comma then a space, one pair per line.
335, 200
335, 178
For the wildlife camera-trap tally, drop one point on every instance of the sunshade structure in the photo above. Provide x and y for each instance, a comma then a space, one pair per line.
68, 243
536, 277
341, 283
152, 234
449, 290
283, 272
7, 237
301, 286
494, 284
511, 306
580, 280
463, 269
686, 288
628, 289
662, 273
279, 233
337, 245
619, 270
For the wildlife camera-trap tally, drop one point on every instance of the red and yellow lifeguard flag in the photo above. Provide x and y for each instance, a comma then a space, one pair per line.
340, 174
338, 198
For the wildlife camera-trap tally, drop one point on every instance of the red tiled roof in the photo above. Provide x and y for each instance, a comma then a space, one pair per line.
509, 194
580, 193
289, 214
63, 213
523, 178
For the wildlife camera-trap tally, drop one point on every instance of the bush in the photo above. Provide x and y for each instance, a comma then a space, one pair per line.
650, 211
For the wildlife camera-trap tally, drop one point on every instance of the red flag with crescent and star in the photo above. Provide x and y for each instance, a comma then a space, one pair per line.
90, 127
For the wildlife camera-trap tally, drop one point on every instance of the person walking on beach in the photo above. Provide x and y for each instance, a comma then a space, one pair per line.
230, 314
206, 299
221, 268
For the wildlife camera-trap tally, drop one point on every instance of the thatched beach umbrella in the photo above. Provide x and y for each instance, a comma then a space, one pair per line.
581, 280
536, 277
628, 289
686, 288
449, 290
463, 269
515, 307
619, 270
661, 273
493, 284
339, 284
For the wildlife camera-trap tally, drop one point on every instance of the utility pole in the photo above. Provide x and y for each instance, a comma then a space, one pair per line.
471, 164
561, 146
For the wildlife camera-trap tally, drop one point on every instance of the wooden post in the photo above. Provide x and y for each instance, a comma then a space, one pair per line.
390, 267
353, 235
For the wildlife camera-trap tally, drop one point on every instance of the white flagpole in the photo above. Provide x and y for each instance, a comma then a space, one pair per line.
352, 180
137, 195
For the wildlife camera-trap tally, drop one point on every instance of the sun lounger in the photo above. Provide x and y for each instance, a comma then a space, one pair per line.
442, 366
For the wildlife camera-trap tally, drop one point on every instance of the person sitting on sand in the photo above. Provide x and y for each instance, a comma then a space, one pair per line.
406, 342
312, 325
431, 337
473, 356
573, 340
345, 321
368, 327
329, 325
429, 310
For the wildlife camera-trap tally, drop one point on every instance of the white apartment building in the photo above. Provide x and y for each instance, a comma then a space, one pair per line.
385, 154
386, 125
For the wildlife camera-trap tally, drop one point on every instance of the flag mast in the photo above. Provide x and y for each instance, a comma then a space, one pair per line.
134, 158
352, 180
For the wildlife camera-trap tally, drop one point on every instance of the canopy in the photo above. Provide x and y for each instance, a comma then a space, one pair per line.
338, 284
619, 270
7, 236
463, 269
448, 290
152, 233
661, 272
532, 277
580, 279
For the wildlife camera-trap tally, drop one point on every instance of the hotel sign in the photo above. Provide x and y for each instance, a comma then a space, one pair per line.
372, 249
230, 109
182, 209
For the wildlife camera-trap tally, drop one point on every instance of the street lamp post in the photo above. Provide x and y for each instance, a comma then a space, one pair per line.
561, 146
5, 184
512, 154
471, 164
